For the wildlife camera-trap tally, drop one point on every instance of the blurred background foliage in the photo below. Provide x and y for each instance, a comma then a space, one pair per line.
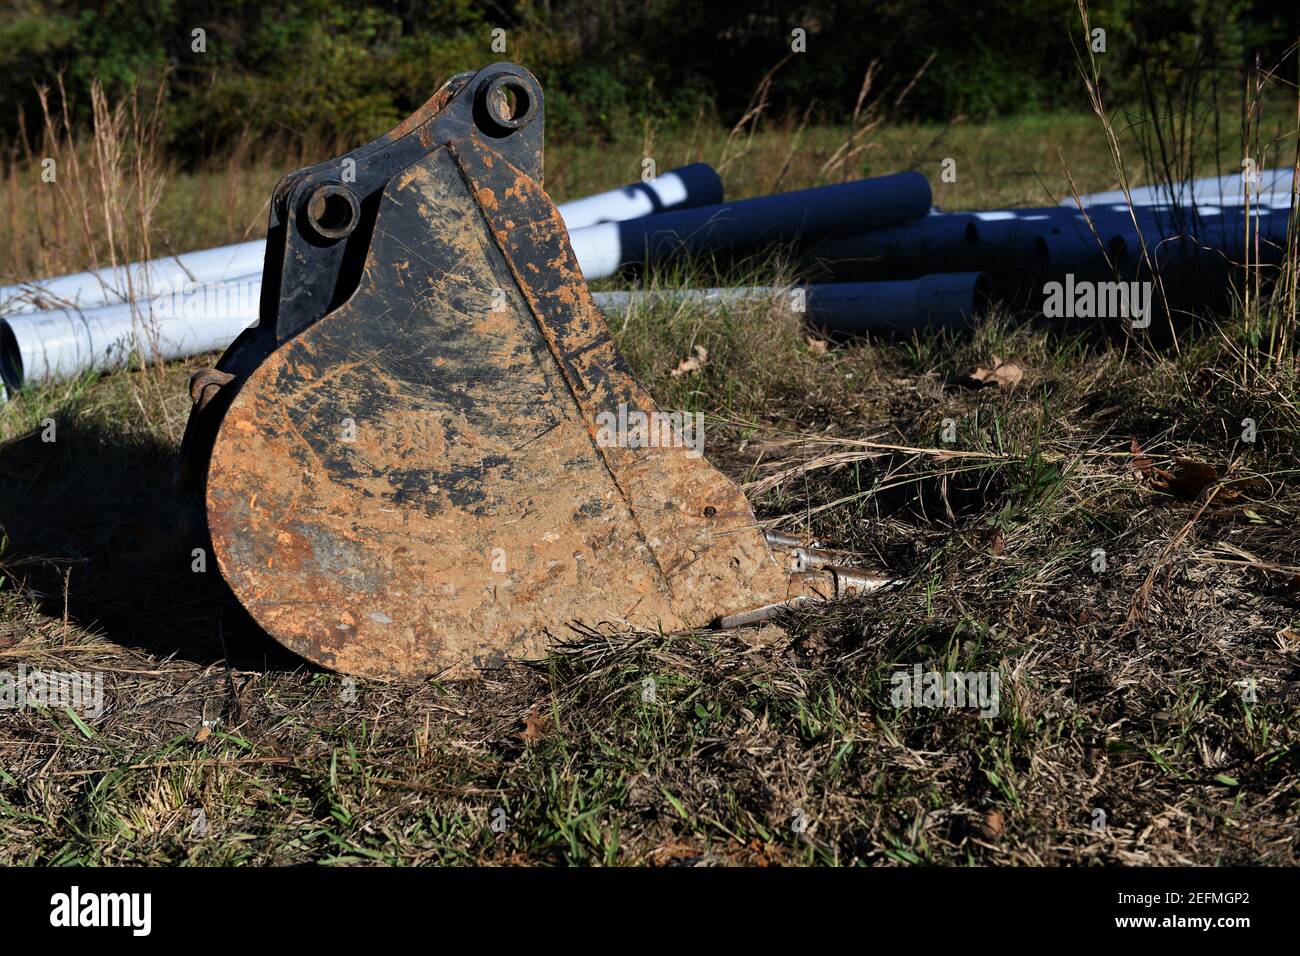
341, 71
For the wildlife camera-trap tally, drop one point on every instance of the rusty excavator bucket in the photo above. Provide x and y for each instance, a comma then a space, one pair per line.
429, 455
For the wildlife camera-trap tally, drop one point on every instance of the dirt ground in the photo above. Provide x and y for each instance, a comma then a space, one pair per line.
1089, 528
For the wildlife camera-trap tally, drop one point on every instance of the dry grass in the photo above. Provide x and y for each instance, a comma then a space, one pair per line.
1160, 690
85, 202
749, 731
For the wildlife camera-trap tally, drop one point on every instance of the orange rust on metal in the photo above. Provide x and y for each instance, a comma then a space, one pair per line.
440, 473
698, 526
420, 118
205, 383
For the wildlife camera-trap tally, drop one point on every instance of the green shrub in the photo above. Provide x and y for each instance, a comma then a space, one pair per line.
342, 71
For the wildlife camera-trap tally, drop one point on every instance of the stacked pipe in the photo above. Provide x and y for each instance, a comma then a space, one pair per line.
1070, 239
1213, 218
695, 185
752, 224
942, 301
198, 302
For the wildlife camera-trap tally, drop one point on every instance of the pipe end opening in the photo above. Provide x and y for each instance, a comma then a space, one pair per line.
11, 359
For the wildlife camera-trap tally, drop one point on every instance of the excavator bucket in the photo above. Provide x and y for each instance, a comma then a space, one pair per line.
428, 455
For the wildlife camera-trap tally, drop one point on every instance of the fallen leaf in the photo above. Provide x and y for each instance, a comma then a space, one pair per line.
1140, 464
204, 733
534, 725
997, 544
1188, 479
692, 364
993, 825
1002, 374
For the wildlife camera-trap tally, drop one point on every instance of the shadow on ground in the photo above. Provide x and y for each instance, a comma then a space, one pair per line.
94, 528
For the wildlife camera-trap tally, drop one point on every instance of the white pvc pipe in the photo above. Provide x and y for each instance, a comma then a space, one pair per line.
100, 287
694, 185
183, 319
940, 301
599, 250
683, 188
65, 343
807, 215
609, 302
1271, 189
